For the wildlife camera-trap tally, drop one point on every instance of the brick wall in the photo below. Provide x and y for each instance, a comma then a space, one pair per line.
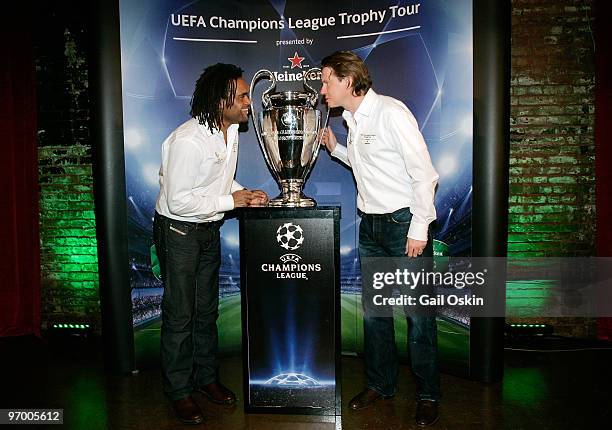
552, 149
67, 222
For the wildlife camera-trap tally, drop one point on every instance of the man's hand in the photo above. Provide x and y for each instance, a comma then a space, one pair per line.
414, 248
260, 198
242, 198
328, 139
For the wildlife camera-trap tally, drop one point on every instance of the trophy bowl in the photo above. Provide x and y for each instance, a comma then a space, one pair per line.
288, 130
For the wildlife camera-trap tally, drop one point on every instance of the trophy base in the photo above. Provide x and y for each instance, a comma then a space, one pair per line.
302, 202
292, 195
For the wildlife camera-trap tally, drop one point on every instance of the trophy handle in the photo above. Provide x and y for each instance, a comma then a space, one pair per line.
265, 98
313, 95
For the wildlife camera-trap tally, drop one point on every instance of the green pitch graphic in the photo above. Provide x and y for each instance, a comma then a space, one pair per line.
453, 338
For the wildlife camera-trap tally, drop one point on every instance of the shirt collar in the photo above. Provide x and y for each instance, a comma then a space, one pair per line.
364, 108
232, 130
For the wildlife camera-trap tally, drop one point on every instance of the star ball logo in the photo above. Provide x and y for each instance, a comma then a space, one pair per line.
290, 236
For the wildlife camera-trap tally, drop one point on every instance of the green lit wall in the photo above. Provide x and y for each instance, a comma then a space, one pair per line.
552, 149
67, 222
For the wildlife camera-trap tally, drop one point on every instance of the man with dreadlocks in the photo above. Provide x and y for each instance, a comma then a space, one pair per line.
197, 187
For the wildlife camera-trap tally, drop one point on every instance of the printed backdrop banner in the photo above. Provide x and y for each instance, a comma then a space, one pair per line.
419, 53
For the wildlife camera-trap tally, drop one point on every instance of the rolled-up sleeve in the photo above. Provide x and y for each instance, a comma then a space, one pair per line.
340, 152
236, 187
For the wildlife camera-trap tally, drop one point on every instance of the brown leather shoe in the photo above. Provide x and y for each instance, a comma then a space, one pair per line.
187, 411
426, 413
218, 393
366, 398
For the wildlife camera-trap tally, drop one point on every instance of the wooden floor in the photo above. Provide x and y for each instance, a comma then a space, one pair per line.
541, 390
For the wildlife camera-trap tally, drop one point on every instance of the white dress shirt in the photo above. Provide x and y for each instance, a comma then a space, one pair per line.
390, 161
196, 177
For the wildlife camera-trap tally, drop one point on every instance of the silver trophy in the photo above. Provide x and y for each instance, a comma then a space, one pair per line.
287, 131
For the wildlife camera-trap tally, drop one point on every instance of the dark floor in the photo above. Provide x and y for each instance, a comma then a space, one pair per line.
541, 390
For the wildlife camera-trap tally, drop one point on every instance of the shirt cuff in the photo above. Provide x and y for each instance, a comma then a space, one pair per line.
226, 203
236, 186
418, 231
341, 153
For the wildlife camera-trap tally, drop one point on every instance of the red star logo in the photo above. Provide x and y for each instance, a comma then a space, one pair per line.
296, 60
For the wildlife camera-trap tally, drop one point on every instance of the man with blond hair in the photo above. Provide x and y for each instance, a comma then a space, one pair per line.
395, 183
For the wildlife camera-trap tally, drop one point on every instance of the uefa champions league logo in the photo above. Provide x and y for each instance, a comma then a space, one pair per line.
290, 236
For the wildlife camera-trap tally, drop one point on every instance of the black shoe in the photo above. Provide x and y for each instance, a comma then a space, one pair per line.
426, 413
187, 411
218, 393
366, 398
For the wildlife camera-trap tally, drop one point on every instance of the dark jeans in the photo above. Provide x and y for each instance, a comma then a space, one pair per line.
190, 257
385, 236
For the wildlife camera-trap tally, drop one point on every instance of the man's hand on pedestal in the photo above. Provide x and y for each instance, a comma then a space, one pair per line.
260, 198
242, 198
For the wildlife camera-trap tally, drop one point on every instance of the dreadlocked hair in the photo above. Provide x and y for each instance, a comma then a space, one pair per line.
215, 90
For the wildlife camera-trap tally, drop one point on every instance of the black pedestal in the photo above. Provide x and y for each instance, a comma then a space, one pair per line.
290, 281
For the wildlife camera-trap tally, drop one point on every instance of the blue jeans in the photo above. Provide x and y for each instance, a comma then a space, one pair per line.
385, 236
189, 256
